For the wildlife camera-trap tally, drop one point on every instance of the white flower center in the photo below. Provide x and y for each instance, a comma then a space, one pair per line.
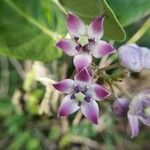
79, 97
83, 40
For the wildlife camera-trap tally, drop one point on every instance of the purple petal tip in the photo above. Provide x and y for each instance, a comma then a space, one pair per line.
75, 26
98, 24
99, 92
64, 85
95, 121
63, 44
83, 75
62, 113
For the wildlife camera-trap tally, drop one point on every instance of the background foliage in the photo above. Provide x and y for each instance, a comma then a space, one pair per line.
28, 110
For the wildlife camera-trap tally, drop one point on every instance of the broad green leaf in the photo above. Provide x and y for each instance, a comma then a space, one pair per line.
129, 11
29, 29
88, 9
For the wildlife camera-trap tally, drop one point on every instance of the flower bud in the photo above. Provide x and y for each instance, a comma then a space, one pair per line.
131, 57
120, 107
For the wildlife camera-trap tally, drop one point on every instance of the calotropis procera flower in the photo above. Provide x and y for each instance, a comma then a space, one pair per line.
81, 93
139, 110
85, 41
134, 58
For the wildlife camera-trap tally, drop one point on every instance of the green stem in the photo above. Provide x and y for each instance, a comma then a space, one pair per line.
113, 66
59, 6
140, 32
122, 90
50, 33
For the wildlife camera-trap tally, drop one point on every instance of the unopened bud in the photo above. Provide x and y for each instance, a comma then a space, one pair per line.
131, 57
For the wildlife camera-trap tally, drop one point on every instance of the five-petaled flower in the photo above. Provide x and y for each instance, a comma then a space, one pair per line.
81, 93
85, 41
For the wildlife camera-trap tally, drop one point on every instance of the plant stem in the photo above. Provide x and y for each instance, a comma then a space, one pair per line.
122, 90
5, 75
110, 67
111, 59
86, 141
18, 67
59, 6
145, 27
77, 119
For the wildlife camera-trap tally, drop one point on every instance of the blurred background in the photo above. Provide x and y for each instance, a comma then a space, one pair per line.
29, 104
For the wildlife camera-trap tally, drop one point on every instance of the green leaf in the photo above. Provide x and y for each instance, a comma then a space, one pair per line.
88, 9
29, 29
129, 11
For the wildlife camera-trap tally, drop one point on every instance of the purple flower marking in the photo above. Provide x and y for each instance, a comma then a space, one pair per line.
81, 93
85, 42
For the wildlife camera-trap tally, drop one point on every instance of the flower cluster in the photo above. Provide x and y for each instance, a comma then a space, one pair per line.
84, 44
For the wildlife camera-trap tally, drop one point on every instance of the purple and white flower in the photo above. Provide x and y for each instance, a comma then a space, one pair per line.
139, 110
134, 58
85, 41
81, 93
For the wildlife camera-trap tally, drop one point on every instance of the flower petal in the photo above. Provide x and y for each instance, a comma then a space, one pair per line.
131, 57
67, 107
76, 26
145, 120
98, 92
120, 107
83, 77
101, 48
134, 124
136, 106
95, 30
68, 46
91, 111
146, 55
82, 60
64, 85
